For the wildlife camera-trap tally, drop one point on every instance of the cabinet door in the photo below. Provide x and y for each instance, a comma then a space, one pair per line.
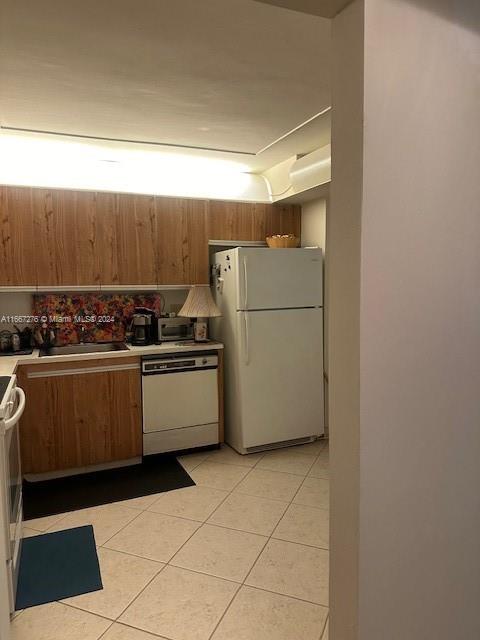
106, 408
107, 248
251, 220
88, 251
77, 415
65, 233
136, 233
17, 249
47, 436
283, 219
182, 241
234, 220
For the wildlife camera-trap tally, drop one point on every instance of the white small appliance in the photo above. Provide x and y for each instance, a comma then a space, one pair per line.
12, 404
180, 401
272, 329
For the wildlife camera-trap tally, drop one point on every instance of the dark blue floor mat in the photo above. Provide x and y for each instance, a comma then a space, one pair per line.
57, 565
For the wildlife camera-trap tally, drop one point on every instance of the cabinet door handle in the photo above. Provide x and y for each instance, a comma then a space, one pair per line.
71, 372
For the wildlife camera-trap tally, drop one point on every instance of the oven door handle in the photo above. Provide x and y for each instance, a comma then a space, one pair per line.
10, 422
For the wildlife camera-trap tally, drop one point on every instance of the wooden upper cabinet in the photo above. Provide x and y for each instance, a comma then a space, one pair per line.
65, 237
59, 237
284, 219
251, 220
233, 220
136, 239
126, 232
107, 254
17, 248
182, 241
88, 250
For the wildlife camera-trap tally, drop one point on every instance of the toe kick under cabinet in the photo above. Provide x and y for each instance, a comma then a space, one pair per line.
80, 413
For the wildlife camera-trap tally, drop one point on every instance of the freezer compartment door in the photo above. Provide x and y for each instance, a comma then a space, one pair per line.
280, 358
279, 278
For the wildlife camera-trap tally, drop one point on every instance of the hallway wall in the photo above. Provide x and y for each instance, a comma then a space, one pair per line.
406, 414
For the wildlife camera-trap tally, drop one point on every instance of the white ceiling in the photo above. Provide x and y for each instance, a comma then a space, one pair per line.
233, 75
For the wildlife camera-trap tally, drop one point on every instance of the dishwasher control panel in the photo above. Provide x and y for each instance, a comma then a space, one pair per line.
172, 363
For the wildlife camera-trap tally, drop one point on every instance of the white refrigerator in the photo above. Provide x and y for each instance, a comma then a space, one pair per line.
272, 328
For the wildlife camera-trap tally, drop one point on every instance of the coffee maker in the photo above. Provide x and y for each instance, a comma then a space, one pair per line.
143, 326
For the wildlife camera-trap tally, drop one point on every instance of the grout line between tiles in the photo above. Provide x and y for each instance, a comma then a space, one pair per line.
138, 594
324, 626
72, 606
112, 620
124, 526
286, 595
67, 513
303, 544
253, 533
228, 492
263, 548
157, 574
152, 633
107, 630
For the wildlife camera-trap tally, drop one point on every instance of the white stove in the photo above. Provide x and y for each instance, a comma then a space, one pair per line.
12, 404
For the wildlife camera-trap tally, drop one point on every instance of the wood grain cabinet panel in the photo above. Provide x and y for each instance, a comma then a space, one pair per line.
231, 220
182, 241
88, 250
136, 229
251, 220
59, 237
17, 248
106, 253
65, 237
80, 418
284, 219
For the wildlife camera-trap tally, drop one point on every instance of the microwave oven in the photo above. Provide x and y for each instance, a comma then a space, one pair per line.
174, 329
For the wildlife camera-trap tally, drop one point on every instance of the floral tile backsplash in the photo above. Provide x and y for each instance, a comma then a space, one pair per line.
106, 317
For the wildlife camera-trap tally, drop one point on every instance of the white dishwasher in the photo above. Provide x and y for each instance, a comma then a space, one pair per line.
180, 401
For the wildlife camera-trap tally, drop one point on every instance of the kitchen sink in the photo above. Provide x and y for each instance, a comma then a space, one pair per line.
87, 347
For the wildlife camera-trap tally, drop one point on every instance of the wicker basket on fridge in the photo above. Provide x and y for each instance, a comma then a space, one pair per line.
283, 242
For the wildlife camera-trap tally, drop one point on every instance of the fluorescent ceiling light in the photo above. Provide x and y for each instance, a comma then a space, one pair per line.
53, 161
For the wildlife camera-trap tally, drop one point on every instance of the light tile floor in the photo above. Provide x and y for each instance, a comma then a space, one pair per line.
243, 555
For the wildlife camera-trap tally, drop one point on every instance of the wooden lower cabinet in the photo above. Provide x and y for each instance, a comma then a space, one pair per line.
80, 413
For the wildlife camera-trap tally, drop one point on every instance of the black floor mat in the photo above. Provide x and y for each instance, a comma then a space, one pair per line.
57, 565
154, 474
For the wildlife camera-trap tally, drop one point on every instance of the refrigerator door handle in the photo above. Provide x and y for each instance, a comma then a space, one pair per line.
246, 345
245, 284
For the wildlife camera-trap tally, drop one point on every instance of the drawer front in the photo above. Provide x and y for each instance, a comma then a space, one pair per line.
183, 399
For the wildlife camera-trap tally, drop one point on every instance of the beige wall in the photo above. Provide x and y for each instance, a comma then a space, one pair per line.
406, 430
343, 246
314, 223
420, 322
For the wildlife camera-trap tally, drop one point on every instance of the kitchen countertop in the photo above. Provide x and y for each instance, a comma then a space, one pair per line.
8, 364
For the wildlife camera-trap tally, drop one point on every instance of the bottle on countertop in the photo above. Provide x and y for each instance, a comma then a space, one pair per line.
15, 342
